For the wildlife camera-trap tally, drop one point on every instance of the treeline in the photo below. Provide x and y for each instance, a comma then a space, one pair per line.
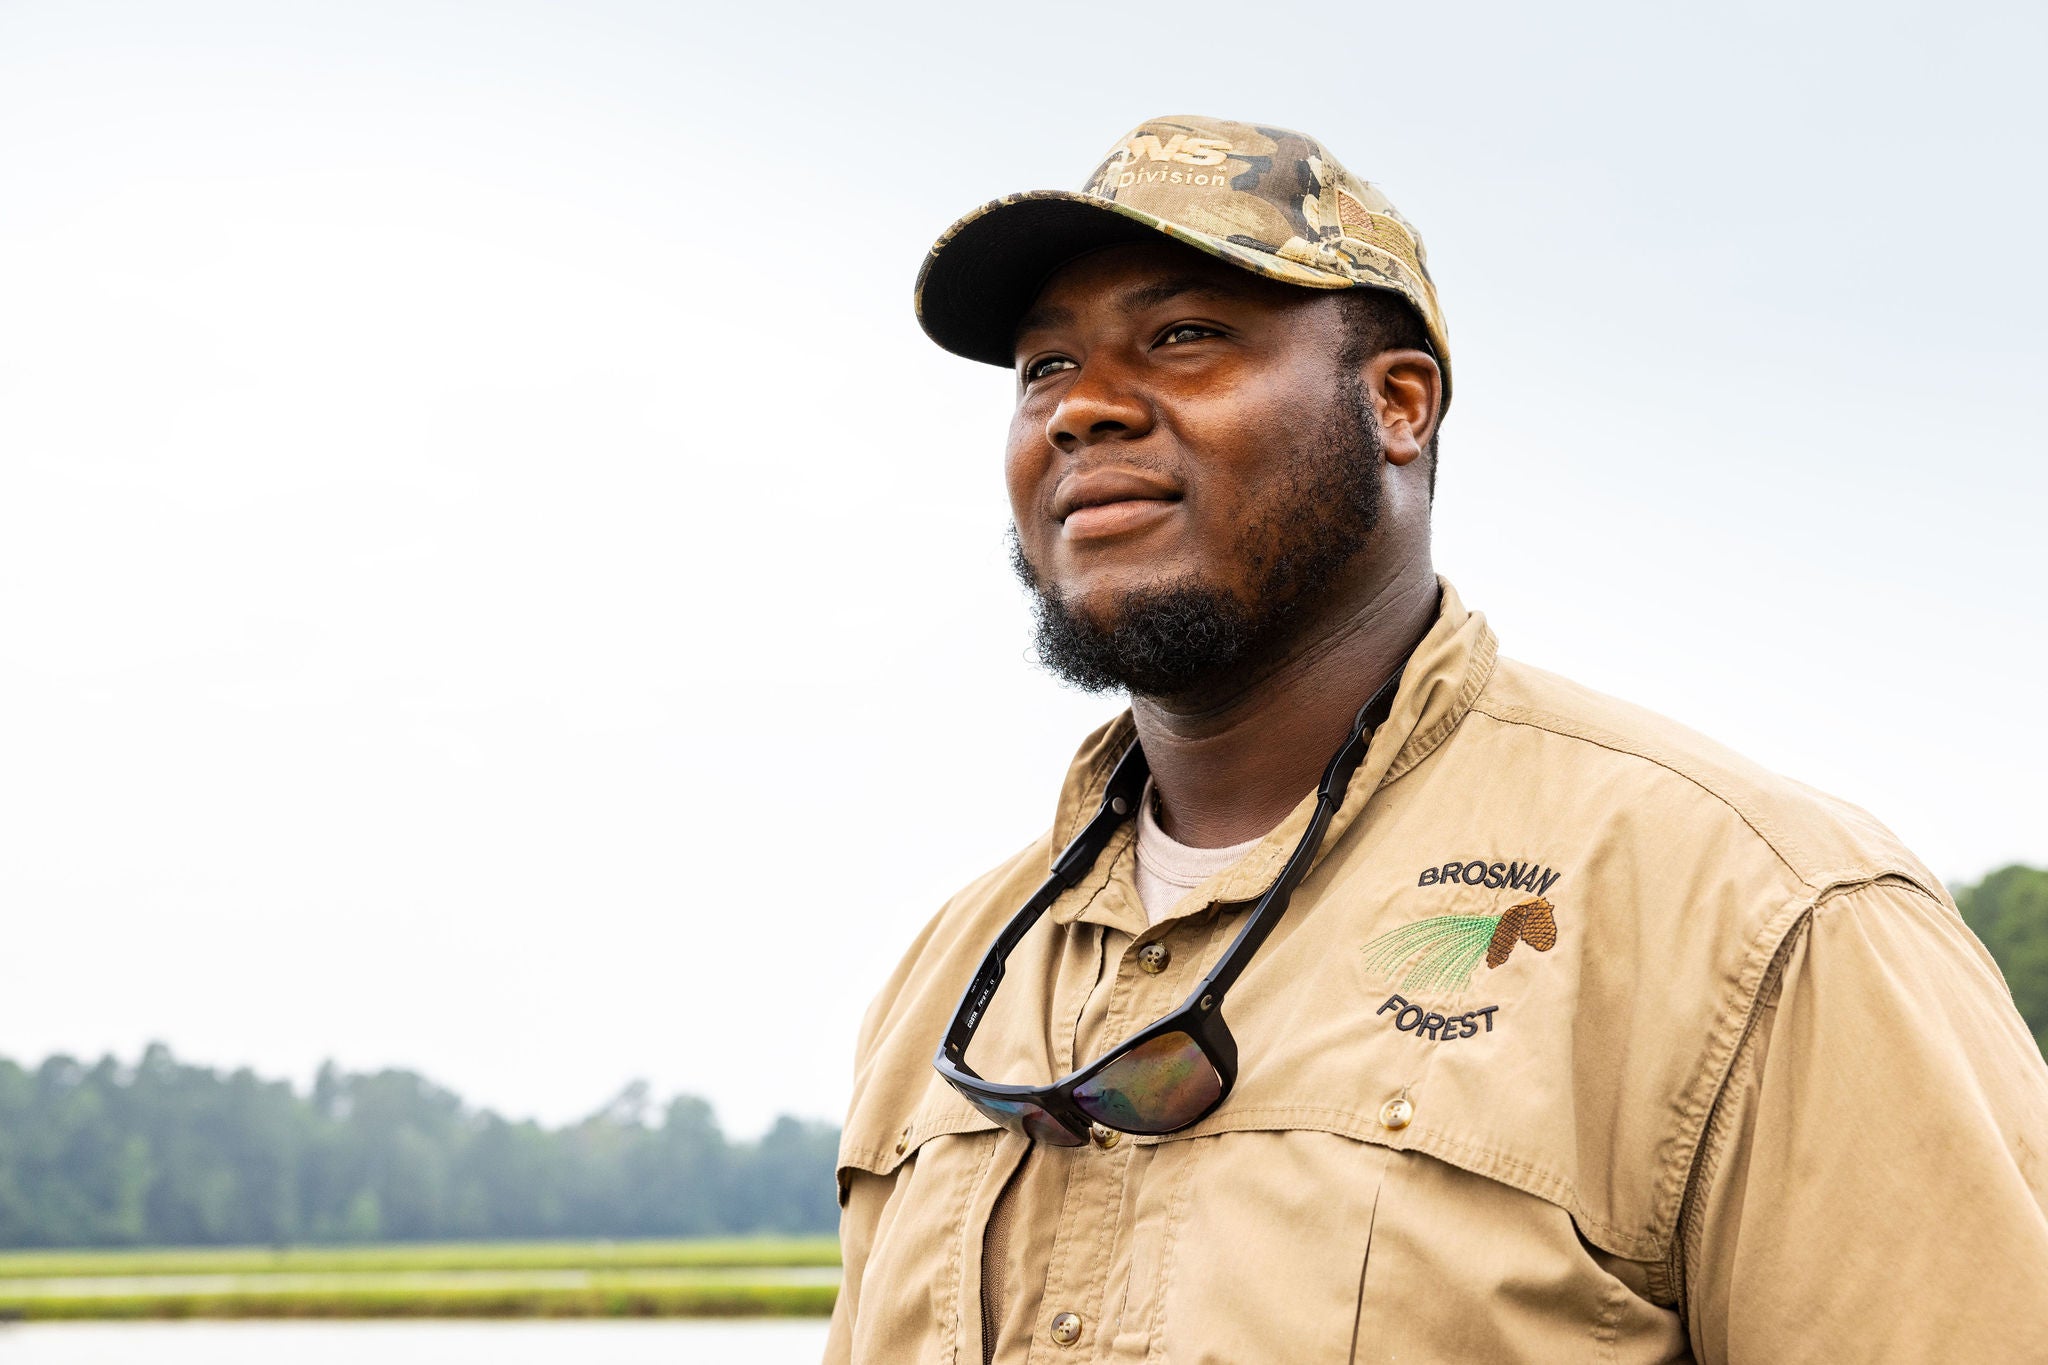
162, 1153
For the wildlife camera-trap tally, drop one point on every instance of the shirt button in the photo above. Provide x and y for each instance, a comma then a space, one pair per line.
903, 1142
1396, 1112
1066, 1329
1153, 957
1105, 1138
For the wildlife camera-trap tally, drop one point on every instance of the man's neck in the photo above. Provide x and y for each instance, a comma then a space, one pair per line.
1230, 765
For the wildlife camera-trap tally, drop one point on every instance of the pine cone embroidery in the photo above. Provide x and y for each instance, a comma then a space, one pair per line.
1441, 953
1532, 922
1539, 931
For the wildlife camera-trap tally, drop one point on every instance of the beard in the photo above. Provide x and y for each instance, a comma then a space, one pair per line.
1185, 636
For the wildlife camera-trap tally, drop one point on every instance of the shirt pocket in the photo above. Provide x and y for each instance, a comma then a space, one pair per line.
1246, 1246
1463, 1267
915, 1204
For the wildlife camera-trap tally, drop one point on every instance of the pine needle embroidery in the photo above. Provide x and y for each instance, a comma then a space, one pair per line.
1442, 952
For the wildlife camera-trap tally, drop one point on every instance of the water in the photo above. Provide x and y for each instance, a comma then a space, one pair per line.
669, 1342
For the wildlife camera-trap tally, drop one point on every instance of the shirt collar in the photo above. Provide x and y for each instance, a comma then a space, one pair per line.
1445, 675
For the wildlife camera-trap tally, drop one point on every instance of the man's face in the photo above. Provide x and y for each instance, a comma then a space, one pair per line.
1192, 465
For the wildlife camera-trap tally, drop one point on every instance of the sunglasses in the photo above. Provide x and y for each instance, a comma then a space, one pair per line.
1174, 1072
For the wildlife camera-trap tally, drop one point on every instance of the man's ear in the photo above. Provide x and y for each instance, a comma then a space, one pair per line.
1407, 392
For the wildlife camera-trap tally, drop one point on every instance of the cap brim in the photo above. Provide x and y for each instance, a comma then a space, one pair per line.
985, 271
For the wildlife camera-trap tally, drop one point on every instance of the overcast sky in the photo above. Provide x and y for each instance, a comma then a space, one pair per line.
493, 580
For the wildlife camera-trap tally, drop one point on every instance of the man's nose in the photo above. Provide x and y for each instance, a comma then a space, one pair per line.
1100, 404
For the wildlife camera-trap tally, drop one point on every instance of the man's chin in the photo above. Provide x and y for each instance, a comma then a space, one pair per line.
1169, 642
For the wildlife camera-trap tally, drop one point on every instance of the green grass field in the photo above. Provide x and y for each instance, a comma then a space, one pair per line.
733, 1277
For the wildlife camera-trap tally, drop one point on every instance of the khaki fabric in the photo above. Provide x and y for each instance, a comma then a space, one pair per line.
1741, 1087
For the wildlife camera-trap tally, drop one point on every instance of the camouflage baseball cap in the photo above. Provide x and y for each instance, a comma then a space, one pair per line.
1272, 201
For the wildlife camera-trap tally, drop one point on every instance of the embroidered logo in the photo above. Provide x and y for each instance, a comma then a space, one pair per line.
1443, 951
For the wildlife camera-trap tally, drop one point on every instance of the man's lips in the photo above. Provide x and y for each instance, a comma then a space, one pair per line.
1114, 518
1101, 502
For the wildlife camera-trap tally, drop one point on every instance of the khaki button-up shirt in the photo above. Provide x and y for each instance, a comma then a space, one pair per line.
1686, 1062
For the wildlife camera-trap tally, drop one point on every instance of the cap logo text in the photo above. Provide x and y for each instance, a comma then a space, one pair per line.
1189, 151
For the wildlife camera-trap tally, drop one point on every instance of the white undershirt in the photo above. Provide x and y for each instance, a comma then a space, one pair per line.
1168, 870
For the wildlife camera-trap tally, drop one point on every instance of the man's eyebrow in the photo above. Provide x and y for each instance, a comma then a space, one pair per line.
1045, 315
1163, 291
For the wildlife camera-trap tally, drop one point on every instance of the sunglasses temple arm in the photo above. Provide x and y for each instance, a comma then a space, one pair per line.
974, 1002
1265, 916
1119, 798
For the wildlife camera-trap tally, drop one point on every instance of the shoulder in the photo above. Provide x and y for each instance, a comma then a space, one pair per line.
1693, 793
946, 951
943, 956
1683, 882
896, 1093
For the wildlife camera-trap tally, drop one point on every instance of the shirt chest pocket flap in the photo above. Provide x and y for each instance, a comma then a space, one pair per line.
915, 1182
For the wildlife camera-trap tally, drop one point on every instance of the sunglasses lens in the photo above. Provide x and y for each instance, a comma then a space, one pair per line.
1027, 1118
1156, 1087
1040, 1126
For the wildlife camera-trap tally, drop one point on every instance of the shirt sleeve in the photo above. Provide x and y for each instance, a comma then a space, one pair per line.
1873, 1182
857, 1218
860, 1200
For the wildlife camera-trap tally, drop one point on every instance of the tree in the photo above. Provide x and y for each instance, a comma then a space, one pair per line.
2009, 911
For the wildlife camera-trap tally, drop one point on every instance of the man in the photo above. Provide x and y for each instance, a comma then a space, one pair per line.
1553, 1031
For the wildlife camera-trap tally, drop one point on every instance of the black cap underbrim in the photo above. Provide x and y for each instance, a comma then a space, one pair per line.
981, 276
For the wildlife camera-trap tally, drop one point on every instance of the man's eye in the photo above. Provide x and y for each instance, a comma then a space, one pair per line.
1186, 331
1039, 369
